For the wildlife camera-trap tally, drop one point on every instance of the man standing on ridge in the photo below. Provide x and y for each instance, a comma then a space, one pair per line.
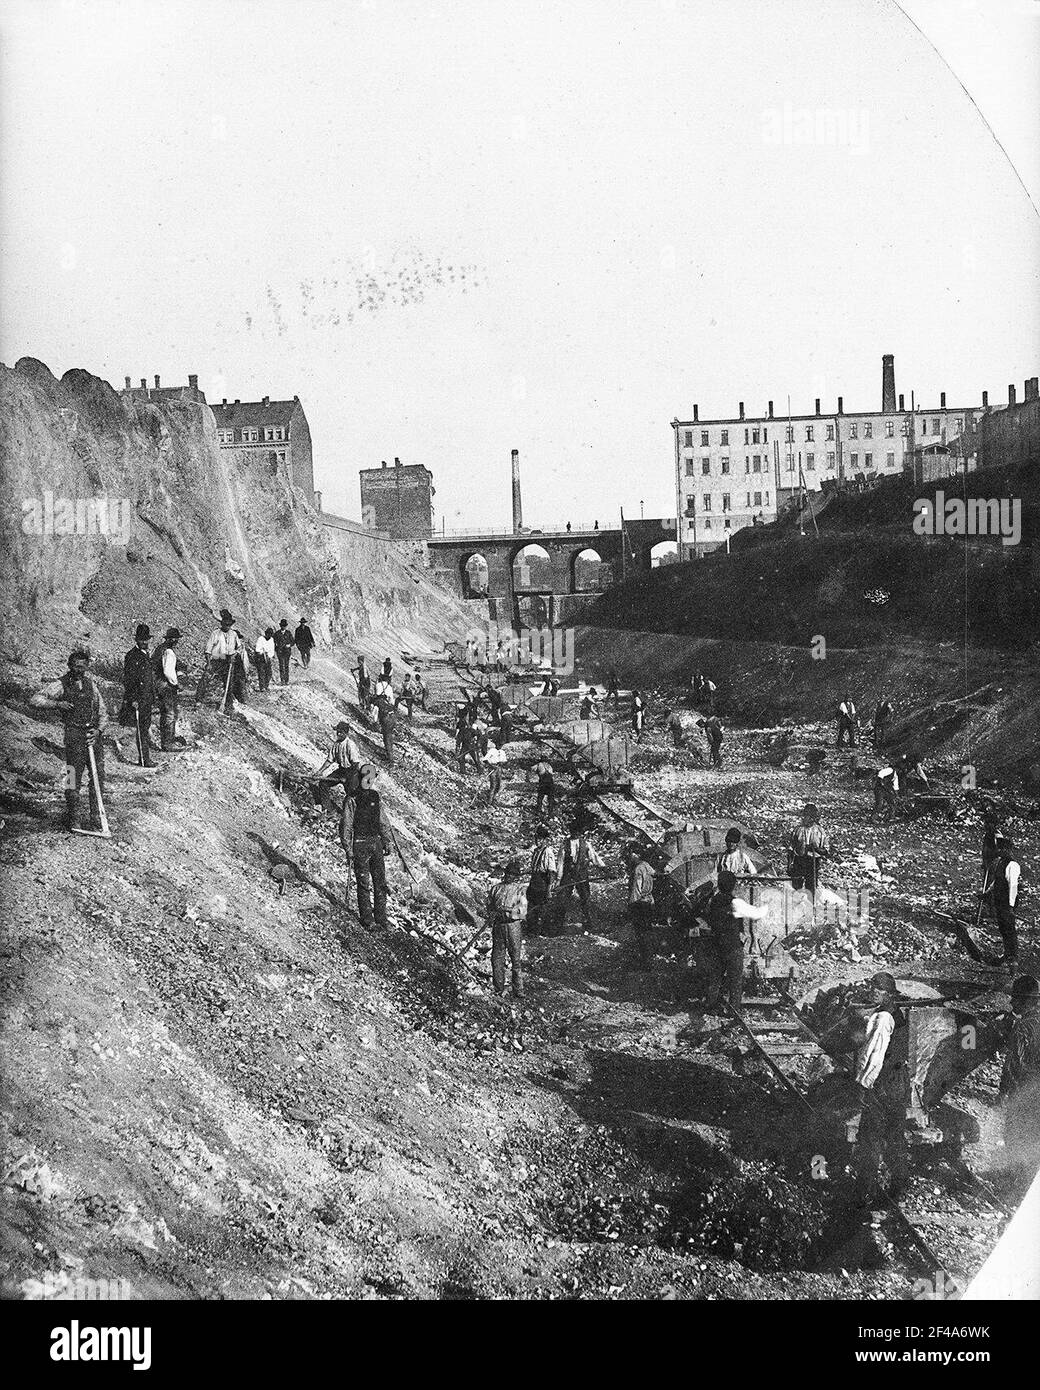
506, 905
139, 694
304, 639
264, 654
226, 652
84, 716
283, 645
807, 844
364, 833
168, 670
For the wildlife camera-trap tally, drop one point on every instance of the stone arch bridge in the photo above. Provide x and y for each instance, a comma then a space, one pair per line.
451, 554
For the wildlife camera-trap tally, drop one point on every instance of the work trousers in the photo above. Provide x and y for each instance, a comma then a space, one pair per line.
370, 878
507, 941
169, 704
283, 654
305, 656
641, 916
494, 785
884, 802
77, 767
464, 754
546, 796
881, 1140
805, 872
581, 887
726, 967
142, 727
388, 732
880, 731
537, 901
263, 671
715, 749
846, 728
677, 738
1004, 917
237, 690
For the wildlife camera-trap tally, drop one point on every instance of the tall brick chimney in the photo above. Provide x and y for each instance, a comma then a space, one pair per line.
157, 381
518, 511
901, 399
193, 381
770, 410
888, 383
1011, 394
127, 379
742, 410
817, 405
942, 400
841, 406
985, 400
144, 383
696, 415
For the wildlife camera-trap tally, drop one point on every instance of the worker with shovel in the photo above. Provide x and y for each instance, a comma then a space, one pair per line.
84, 716
883, 1079
506, 906
364, 833
226, 652
139, 694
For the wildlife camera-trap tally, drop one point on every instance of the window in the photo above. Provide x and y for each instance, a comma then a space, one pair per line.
725, 464
278, 432
790, 463
747, 463
854, 430
727, 525
758, 499
830, 460
749, 499
766, 495
690, 525
854, 460
707, 523
809, 433
691, 506
755, 436
868, 460
725, 436
904, 428
747, 436
704, 439
789, 434
765, 436
705, 466
935, 426
868, 429
688, 439
830, 431
810, 460
958, 424
725, 502
689, 468
890, 460
707, 501
890, 428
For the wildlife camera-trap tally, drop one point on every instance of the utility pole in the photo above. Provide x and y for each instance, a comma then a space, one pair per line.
678, 498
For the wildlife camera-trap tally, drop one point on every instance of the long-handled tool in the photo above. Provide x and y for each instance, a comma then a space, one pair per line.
964, 936
104, 833
227, 686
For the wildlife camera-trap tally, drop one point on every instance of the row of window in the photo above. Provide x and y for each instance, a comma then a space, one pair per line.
268, 435
761, 436
760, 499
759, 463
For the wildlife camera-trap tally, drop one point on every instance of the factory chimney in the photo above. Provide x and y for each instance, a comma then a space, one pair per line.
888, 384
518, 515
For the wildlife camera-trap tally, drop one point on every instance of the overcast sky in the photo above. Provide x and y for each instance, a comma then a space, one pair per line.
458, 228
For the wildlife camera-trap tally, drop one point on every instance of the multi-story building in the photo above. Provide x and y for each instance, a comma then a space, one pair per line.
398, 500
742, 470
158, 393
267, 428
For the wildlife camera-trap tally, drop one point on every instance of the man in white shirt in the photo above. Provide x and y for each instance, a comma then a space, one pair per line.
542, 881
264, 652
1003, 896
735, 859
641, 904
226, 652
726, 916
577, 858
847, 720
342, 763
167, 687
882, 1076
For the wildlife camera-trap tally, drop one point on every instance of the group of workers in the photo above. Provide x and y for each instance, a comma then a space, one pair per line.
848, 722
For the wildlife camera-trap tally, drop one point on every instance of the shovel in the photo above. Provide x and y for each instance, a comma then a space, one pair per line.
104, 833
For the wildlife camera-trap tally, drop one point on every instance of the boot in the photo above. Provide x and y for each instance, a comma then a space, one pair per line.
70, 820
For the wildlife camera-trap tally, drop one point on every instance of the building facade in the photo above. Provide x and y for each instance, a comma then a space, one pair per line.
742, 470
266, 428
158, 393
398, 500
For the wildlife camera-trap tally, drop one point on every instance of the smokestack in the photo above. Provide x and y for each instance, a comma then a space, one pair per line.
1011, 394
518, 514
942, 400
770, 410
841, 406
1031, 388
157, 381
742, 410
127, 383
985, 400
144, 383
901, 406
888, 383
817, 405
696, 417
397, 462
193, 381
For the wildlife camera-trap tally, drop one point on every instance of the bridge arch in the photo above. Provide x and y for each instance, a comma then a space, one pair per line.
475, 574
531, 566
591, 581
663, 553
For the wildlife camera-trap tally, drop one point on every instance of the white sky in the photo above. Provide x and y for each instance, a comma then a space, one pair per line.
456, 228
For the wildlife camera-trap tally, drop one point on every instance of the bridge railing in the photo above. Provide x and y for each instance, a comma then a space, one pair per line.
529, 533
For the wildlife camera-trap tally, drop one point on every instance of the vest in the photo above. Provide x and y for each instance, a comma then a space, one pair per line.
576, 867
84, 712
1001, 887
726, 930
367, 816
